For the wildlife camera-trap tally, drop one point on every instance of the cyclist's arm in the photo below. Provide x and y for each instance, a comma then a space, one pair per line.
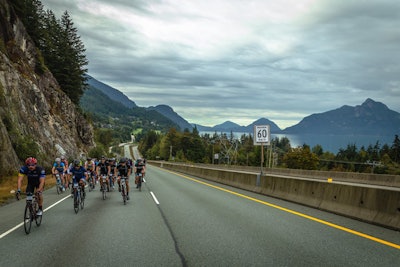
20, 177
108, 170
41, 185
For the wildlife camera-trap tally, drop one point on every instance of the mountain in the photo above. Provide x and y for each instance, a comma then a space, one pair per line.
105, 110
229, 126
168, 112
369, 118
263, 121
111, 92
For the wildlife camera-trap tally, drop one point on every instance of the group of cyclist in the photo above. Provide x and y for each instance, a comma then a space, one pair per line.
78, 172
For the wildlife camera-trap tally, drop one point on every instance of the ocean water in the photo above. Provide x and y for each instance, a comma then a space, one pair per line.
331, 143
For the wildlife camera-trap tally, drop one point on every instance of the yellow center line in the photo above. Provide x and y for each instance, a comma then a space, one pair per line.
384, 242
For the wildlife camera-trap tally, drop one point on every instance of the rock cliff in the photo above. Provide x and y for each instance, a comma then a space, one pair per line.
34, 111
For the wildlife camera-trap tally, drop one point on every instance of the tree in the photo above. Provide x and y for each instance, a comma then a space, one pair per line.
395, 149
301, 158
71, 76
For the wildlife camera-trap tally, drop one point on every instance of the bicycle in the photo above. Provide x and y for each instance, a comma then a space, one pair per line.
104, 186
30, 212
123, 189
59, 184
139, 180
91, 181
111, 182
79, 197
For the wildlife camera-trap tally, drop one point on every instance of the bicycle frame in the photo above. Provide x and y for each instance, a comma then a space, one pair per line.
59, 184
31, 208
123, 189
77, 197
104, 185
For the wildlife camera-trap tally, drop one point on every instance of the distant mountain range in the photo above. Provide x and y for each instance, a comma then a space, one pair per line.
369, 118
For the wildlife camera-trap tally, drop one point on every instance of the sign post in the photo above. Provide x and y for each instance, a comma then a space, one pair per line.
261, 137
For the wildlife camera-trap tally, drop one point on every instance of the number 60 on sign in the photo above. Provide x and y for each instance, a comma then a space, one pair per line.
261, 135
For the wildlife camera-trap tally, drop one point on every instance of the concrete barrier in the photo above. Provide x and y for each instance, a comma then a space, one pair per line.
375, 204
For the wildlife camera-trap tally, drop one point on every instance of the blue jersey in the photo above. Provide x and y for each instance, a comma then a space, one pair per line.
33, 175
59, 167
78, 174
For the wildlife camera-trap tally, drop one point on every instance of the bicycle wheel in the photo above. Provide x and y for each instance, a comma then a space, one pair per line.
140, 183
104, 191
123, 190
27, 219
76, 201
38, 219
58, 188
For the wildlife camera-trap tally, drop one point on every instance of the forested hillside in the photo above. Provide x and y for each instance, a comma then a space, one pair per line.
38, 117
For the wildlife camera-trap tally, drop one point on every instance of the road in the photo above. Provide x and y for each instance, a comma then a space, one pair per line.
179, 220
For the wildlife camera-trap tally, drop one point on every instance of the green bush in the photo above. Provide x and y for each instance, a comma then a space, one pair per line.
25, 146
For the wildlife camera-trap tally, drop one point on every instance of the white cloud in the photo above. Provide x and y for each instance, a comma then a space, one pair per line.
213, 61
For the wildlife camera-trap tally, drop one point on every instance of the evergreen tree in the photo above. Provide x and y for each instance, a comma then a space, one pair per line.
395, 149
72, 77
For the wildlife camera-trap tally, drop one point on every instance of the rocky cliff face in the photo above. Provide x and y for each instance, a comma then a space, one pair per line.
32, 106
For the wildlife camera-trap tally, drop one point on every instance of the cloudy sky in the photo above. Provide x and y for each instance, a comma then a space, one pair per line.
241, 60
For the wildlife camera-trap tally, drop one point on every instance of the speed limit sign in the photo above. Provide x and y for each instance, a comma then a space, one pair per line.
261, 135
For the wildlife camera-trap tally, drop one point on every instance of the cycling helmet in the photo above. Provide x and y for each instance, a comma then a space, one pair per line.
112, 159
89, 159
122, 160
31, 161
62, 157
77, 163
58, 160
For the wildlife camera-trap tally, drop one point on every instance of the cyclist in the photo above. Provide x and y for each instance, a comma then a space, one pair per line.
123, 169
111, 171
90, 166
59, 167
66, 174
36, 176
102, 169
139, 168
79, 175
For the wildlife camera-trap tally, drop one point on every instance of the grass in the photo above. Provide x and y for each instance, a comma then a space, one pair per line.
10, 183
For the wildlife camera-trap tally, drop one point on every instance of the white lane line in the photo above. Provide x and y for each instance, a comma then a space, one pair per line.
19, 225
154, 197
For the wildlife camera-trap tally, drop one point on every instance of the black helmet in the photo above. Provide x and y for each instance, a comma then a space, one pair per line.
122, 160
77, 162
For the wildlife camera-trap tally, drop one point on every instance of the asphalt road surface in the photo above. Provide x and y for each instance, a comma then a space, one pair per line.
179, 220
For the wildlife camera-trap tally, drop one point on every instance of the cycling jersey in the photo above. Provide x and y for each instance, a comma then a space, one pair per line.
59, 167
123, 170
112, 167
103, 167
139, 167
34, 177
89, 165
78, 174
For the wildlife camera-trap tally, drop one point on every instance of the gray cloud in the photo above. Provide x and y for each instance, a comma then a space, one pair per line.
228, 60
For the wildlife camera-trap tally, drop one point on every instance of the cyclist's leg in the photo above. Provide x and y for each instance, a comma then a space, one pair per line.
82, 184
63, 180
101, 180
35, 186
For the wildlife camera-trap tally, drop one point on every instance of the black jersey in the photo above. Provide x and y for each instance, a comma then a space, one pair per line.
103, 167
123, 170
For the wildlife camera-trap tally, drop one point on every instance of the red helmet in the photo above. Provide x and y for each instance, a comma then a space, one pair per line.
31, 161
